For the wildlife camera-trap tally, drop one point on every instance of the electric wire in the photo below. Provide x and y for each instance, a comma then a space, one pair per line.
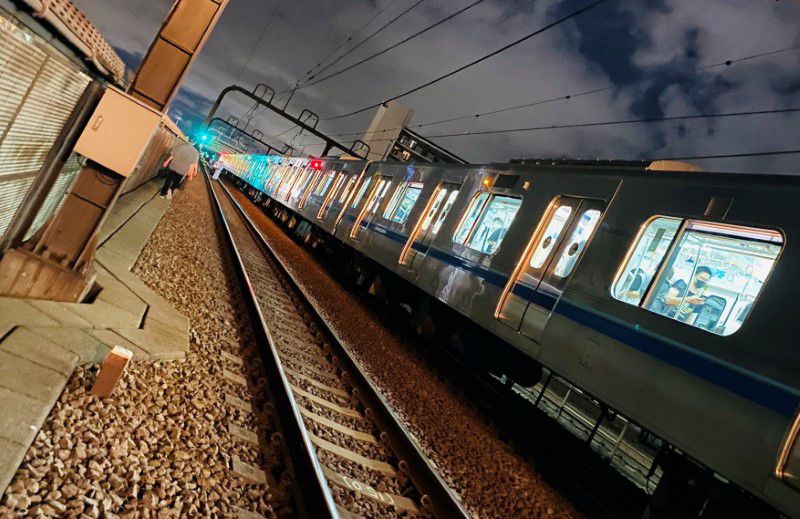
391, 47
733, 155
350, 37
474, 62
359, 44
605, 123
617, 122
258, 41
567, 97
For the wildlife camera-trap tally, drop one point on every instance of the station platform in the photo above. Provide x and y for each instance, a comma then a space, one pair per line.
42, 342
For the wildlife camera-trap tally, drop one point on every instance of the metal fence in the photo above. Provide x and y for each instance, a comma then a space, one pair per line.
38, 89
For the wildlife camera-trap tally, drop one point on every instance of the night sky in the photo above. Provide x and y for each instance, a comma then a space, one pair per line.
648, 58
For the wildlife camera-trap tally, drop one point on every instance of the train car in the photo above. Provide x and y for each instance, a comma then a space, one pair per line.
667, 295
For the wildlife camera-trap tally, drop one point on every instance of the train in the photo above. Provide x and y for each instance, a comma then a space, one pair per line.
666, 295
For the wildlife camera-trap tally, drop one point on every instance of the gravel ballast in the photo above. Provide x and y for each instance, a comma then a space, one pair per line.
160, 445
488, 475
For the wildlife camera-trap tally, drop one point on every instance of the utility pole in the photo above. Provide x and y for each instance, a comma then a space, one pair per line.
57, 263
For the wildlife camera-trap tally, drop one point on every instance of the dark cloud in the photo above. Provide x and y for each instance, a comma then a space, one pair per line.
647, 51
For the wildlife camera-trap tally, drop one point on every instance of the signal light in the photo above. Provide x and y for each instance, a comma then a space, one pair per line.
487, 182
315, 164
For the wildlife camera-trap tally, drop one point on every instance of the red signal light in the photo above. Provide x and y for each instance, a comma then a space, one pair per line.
315, 164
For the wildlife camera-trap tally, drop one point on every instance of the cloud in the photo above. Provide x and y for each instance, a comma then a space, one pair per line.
649, 52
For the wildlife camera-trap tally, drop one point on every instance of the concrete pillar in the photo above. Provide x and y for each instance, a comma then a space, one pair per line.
385, 128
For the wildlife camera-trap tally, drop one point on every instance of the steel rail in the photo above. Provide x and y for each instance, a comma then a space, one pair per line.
567, 461
437, 496
312, 495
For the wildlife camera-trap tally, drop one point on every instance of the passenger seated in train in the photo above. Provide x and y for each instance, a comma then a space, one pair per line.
682, 301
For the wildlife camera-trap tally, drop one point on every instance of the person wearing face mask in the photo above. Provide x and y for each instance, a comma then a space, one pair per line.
683, 300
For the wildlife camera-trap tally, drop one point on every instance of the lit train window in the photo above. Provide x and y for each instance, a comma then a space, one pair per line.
324, 183
378, 194
487, 221
709, 274
580, 235
550, 236
346, 190
472, 214
645, 258
443, 213
360, 194
403, 200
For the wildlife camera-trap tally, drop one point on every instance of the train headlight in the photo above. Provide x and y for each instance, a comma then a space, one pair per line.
788, 467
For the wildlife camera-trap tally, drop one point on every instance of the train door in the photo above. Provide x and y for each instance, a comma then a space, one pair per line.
428, 225
555, 247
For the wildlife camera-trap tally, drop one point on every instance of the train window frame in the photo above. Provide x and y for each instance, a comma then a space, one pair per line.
399, 195
483, 207
331, 195
360, 191
687, 228
324, 183
348, 187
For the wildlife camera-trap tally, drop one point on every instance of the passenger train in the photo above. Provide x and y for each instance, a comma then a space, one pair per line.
668, 295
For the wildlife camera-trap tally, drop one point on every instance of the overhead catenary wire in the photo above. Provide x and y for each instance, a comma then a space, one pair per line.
350, 37
359, 44
393, 46
258, 40
474, 62
733, 155
618, 122
566, 97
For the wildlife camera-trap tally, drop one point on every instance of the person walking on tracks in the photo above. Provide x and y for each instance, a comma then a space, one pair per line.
181, 164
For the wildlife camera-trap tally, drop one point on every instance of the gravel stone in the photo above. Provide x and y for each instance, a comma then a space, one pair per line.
160, 445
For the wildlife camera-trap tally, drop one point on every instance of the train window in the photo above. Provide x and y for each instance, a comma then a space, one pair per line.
550, 236
472, 214
331, 196
443, 213
580, 235
378, 194
346, 191
492, 222
323, 184
403, 200
710, 275
644, 259
360, 194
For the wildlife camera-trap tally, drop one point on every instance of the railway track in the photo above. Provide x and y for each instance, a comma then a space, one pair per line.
348, 453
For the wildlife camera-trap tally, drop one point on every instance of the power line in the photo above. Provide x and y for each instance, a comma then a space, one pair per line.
365, 40
567, 97
350, 37
393, 46
476, 61
617, 122
733, 155
604, 123
258, 41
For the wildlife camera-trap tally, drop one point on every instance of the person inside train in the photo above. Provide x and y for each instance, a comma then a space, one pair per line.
493, 235
682, 300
